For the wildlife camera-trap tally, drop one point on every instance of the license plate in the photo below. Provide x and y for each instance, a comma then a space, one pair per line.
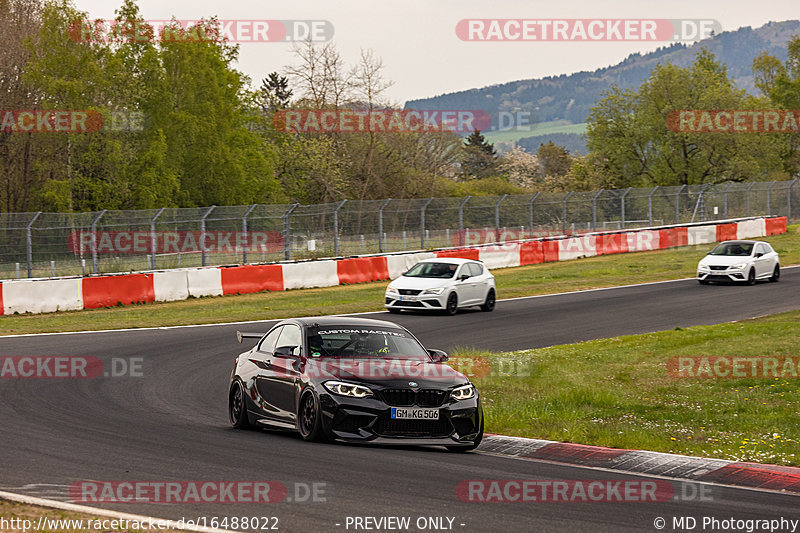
409, 298
400, 413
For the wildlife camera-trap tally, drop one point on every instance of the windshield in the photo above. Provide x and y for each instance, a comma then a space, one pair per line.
733, 249
349, 341
432, 270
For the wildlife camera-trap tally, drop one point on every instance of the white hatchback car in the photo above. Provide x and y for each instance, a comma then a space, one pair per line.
443, 284
745, 261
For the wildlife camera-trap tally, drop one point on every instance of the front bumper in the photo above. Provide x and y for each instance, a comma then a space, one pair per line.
395, 300
369, 420
730, 274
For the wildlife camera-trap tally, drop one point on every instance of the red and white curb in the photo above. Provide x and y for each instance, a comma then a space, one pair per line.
683, 467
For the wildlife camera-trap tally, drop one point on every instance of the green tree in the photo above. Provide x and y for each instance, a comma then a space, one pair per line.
780, 82
627, 132
274, 92
479, 156
554, 159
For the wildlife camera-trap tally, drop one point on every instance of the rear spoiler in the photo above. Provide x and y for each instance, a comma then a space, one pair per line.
247, 335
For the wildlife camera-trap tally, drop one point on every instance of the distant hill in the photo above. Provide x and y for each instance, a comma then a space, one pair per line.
573, 142
570, 97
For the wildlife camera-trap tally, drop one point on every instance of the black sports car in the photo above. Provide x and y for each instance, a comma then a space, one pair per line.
353, 379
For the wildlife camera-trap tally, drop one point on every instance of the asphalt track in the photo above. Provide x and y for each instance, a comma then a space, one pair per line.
171, 423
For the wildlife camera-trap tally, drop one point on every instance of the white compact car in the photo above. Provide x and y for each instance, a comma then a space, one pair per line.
443, 284
745, 261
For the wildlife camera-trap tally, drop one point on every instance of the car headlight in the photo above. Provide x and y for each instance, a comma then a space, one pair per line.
738, 267
433, 291
390, 289
348, 389
464, 392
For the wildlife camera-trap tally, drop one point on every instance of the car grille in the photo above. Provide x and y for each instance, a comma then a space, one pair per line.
409, 397
717, 267
386, 426
409, 292
410, 304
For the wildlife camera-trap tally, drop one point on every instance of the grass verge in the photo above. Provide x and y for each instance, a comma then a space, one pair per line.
617, 392
548, 278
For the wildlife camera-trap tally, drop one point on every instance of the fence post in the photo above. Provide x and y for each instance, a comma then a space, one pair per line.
725, 201
564, 212
203, 235
94, 240
380, 224
497, 218
622, 208
29, 243
650, 206
287, 232
336, 228
153, 237
747, 200
422, 223
678, 204
701, 203
789, 202
530, 210
461, 220
245, 237
594, 209
769, 197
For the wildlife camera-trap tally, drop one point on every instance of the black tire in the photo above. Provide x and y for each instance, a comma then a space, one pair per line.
309, 418
776, 274
237, 408
452, 304
469, 447
491, 300
751, 277
393, 310
703, 281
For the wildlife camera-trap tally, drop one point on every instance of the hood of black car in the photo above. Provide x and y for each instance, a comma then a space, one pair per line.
395, 373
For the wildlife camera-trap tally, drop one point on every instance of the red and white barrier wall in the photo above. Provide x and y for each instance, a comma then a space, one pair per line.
49, 295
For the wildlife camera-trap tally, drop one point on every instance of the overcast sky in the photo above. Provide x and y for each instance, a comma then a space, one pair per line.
418, 43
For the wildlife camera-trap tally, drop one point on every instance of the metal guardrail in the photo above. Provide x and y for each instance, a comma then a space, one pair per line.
48, 244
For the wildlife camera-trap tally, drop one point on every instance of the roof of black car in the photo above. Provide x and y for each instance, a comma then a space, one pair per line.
344, 321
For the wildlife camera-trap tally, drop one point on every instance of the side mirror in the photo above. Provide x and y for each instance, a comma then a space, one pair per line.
463, 277
759, 254
438, 356
284, 351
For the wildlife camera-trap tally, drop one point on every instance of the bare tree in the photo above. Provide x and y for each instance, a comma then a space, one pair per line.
320, 74
368, 82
